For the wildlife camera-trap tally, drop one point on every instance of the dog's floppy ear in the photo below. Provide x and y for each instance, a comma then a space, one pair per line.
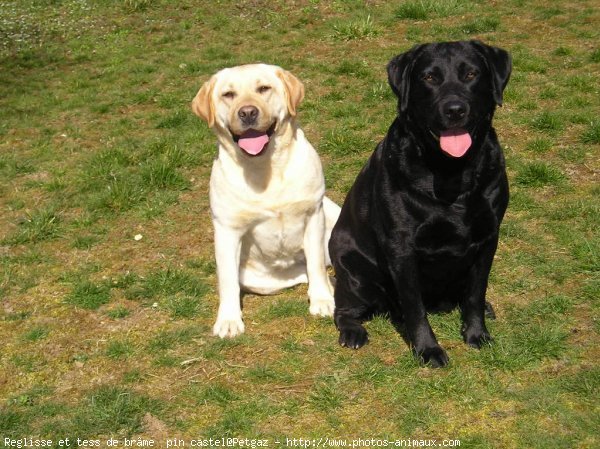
399, 70
294, 90
500, 65
202, 104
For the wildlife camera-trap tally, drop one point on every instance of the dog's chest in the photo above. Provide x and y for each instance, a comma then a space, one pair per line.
453, 235
281, 234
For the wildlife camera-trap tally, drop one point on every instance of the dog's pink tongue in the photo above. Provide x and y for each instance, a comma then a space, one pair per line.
455, 142
253, 142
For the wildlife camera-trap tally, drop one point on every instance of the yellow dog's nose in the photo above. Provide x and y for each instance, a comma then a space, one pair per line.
248, 114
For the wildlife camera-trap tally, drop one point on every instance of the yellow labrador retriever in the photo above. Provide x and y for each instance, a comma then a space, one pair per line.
271, 219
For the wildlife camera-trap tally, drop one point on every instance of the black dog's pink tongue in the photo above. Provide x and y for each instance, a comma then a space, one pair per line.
253, 142
455, 142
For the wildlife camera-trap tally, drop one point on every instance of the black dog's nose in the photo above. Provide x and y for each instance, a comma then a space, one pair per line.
455, 110
248, 114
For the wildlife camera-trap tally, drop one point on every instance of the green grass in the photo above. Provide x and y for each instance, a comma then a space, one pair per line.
89, 295
137, 5
479, 26
169, 339
35, 334
119, 349
356, 29
538, 174
540, 145
118, 312
107, 336
549, 122
284, 309
592, 134
168, 285
424, 9
214, 393
326, 395
113, 409
39, 225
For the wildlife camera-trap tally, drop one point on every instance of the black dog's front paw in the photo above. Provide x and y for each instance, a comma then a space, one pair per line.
476, 338
354, 337
434, 356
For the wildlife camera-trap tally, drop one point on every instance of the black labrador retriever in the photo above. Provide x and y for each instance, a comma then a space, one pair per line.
419, 228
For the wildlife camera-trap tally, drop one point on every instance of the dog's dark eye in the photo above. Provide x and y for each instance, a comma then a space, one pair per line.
229, 94
263, 89
428, 77
471, 75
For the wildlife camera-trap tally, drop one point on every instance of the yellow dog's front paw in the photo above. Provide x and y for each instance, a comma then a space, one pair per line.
228, 328
322, 307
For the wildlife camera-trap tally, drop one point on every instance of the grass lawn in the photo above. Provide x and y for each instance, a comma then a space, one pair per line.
107, 273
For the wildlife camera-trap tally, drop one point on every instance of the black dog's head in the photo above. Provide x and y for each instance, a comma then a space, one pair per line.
450, 90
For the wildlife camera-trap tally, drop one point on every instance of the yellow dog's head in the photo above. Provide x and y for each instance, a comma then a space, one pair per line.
247, 104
